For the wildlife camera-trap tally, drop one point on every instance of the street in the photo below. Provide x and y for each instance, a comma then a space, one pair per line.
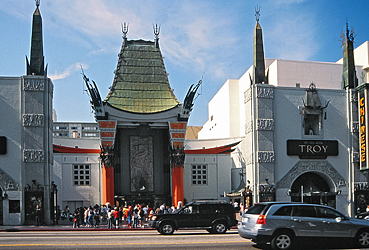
140, 239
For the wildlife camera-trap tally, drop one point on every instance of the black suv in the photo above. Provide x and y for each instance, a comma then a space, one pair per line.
214, 216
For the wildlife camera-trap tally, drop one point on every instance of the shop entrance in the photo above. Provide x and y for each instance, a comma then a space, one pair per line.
314, 189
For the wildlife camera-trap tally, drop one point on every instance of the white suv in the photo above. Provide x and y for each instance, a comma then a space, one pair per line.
281, 224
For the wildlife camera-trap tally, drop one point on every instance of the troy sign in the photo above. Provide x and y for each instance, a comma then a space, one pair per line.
312, 149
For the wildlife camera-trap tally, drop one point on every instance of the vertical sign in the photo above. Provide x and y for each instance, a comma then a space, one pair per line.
363, 131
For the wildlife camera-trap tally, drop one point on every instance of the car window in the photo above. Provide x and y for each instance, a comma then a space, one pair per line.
325, 212
205, 209
256, 209
284, 211
304, 211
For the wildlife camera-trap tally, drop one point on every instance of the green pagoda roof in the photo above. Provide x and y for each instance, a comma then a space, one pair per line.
141, 82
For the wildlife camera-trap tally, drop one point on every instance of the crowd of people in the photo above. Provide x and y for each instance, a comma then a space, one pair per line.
115, 217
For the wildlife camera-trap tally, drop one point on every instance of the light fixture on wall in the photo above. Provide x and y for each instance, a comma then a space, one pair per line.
289, 192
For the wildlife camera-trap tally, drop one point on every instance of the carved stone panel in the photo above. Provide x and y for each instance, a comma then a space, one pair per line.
265, 124
312, 166
248, 127
33, 85
141, 164
266, 156
355, 127
7, 183
249, 159
33, 155
33, 120
265, 92
247, 95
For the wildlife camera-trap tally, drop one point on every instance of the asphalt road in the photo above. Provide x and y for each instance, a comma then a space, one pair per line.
143, 239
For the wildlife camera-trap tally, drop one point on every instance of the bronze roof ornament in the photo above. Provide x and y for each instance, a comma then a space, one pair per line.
125, 29
156, 33
37, 3
257, 13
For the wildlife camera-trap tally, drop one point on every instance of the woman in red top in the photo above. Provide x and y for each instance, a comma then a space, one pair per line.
116, 215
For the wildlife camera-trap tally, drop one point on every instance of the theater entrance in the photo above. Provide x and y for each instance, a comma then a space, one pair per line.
314, 189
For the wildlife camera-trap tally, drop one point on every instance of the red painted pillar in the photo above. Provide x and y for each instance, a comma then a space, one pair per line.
177, 184
108, 185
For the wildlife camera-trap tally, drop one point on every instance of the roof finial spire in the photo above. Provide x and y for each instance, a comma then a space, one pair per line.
125, 29
37, 3
156, 30
257, 13
156, 33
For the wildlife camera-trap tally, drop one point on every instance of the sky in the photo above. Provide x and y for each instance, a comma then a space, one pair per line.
210, 37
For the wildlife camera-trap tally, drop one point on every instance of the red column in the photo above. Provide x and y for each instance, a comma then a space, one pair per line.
108, 185
177, 185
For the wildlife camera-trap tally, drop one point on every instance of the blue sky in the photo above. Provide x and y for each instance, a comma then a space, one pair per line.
214, 36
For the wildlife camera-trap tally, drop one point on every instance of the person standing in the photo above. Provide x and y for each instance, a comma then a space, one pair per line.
109, 217
96, 217
116, 215
38, 214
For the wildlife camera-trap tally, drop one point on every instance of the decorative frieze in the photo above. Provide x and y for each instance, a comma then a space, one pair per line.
266, 156
247, 95
265, 92
265, 124
33, 155
312, 166
354, 127
33, 120
248, 127
33, 84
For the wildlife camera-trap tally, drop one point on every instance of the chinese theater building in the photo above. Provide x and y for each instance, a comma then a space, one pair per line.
142, 128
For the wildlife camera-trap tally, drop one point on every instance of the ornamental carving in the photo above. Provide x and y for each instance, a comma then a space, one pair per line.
355, 156
33, 85
265, 92
7, 183
247, 95
355, 127
266, 156
312, 166
33, 155
249, 159
33, 120
265, 124
354, 97
248, 127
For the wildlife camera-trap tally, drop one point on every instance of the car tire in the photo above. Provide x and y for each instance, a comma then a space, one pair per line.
282, 241
166, 228
219, 228
362, 238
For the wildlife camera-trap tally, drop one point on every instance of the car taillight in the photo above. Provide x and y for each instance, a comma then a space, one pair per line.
234, 216
261, 220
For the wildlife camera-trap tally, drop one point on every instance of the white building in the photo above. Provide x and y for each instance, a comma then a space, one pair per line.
272, 114
77, 168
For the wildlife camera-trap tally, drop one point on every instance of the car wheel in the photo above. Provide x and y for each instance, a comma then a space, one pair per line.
362, 238
282, 240
166, 228
219, 228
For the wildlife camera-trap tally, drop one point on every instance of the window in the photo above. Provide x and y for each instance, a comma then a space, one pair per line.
199, 175
328, 213
304, 211
81, 175
284, 211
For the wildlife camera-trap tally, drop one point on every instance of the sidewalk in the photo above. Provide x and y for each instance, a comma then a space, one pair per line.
66, 226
